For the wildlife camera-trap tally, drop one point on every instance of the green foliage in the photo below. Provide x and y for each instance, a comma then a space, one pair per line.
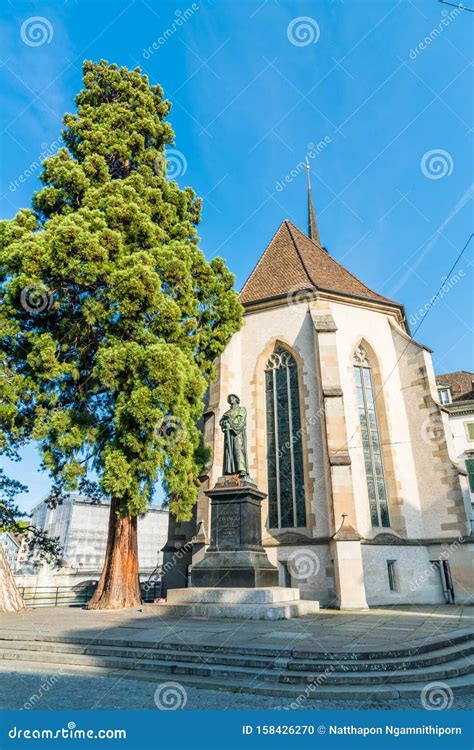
111, 317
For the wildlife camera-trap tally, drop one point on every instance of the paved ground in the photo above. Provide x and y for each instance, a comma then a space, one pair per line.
328, 630
383, 629
43, 692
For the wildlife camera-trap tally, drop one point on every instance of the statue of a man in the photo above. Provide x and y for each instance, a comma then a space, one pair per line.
233, 424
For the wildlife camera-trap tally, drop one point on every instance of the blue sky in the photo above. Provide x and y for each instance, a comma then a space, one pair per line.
385, 86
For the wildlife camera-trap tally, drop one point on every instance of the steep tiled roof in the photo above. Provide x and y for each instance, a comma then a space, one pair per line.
461, 384
292, 261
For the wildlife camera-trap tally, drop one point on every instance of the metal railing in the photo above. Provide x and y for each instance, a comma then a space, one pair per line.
75, 596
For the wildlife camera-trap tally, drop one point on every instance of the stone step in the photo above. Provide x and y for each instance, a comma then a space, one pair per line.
350, 655
417, 661
263, 661
279, 611
432, 673
152, 653
287, 692
269, 673
270, 595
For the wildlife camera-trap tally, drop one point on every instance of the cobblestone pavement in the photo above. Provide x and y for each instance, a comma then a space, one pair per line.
42, 691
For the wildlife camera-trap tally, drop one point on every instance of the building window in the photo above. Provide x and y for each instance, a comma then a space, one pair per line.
469, 427
445, 395
370, 440
470, 471
392, 575
286, 494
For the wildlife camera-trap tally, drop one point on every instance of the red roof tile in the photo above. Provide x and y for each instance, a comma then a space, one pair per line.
461, 384
292, 261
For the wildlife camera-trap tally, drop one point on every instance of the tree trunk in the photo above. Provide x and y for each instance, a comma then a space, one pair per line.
119, 585
10, 597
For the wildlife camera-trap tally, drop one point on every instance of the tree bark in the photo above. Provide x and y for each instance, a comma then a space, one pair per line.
119, 585
10, 598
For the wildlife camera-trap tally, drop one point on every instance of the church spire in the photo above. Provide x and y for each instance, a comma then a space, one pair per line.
313, 232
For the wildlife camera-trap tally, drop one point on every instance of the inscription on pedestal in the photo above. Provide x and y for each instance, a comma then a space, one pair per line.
228, 525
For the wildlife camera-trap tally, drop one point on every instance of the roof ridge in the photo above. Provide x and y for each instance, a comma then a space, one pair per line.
455, 372
320, 247
305, 268
261, 257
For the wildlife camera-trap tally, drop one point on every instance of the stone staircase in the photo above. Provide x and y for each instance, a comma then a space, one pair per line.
293, 674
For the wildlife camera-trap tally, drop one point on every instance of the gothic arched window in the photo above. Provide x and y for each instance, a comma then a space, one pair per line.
286, 495
370, 440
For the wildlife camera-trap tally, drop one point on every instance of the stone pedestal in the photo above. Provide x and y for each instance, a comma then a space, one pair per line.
348, 569
235, 557
249, 603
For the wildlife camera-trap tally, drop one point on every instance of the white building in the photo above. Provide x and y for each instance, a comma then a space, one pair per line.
456, 393
81, 527
365, 505
11, 548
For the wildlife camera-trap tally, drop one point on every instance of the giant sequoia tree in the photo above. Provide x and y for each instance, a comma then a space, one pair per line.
111, 317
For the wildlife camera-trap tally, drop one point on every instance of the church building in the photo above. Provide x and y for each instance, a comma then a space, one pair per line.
346, 435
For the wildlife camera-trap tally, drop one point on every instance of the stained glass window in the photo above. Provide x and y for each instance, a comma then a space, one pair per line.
370, 440
286, 493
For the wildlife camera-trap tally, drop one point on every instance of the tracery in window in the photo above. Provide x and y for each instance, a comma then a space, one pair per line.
286, 492
374, 471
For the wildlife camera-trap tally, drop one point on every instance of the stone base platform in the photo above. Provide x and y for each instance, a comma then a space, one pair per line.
273, 603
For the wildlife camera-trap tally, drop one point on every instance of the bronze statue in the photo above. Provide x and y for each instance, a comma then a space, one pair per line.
233, 424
